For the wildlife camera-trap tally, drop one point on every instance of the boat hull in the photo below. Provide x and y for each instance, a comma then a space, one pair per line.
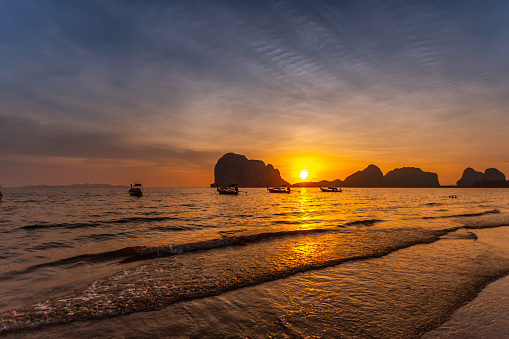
276, 190
136, 193
332, 190
228, 192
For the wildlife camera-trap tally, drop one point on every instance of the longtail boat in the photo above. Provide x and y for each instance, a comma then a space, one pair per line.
136, 190
278, 189
230, 190
330, 189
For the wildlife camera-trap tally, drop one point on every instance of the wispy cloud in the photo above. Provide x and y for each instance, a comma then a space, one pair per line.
159, 80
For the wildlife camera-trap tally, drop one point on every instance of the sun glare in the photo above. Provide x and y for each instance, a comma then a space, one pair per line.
304, 174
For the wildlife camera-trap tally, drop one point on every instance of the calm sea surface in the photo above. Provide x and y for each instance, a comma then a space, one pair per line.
187, 262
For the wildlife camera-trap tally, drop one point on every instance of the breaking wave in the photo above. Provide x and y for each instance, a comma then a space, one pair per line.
159, 283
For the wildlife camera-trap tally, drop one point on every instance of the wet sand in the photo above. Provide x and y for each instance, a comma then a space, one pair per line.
487, 316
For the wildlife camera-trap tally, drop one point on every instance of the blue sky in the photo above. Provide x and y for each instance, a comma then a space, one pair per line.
118, 91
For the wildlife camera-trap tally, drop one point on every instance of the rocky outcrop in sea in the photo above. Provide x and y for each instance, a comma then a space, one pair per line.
410, 177
469, 177
235, 168
371, 176
491, 177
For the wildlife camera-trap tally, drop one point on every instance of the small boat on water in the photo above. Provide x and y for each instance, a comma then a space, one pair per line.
232, 189
283, 189
136, 190
331, 189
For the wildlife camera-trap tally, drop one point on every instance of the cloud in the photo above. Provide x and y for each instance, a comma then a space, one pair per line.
162, 79
32, 138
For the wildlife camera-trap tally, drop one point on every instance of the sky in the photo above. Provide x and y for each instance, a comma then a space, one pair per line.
114, 92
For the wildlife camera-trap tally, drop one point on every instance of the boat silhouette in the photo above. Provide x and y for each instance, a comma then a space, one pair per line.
136, 190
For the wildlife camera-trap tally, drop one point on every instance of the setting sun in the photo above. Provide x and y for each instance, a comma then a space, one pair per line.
304, 174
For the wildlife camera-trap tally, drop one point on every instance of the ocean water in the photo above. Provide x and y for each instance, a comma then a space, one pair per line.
189, 263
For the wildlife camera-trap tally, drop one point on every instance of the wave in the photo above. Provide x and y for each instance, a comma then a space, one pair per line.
486, 225
465, 215
460, 235
146, 289
159, 284
150, 219
79, 259
102, 237
30, 201
367, 222
97, 223
225, 241
49, 245
433, 204
141, 253
480, 226
494, 211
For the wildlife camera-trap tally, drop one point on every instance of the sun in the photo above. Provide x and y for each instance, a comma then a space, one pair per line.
304, 174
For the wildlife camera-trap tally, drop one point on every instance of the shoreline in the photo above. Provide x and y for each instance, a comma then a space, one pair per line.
487, 316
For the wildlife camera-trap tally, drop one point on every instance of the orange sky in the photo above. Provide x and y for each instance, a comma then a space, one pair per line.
58, 171
158, 93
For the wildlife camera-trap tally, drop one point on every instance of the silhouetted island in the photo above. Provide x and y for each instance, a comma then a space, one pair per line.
235, 168
410, 177
468, 177
491, 178
371, 176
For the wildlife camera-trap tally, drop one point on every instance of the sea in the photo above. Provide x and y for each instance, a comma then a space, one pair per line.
190, 263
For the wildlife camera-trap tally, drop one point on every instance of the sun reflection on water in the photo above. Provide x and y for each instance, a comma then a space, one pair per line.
305, 209
305, 250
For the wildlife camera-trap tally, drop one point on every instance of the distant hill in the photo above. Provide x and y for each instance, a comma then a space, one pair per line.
234, 168
491, 178
468, 177
493, 174
77, 186
371, 176
410, 177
